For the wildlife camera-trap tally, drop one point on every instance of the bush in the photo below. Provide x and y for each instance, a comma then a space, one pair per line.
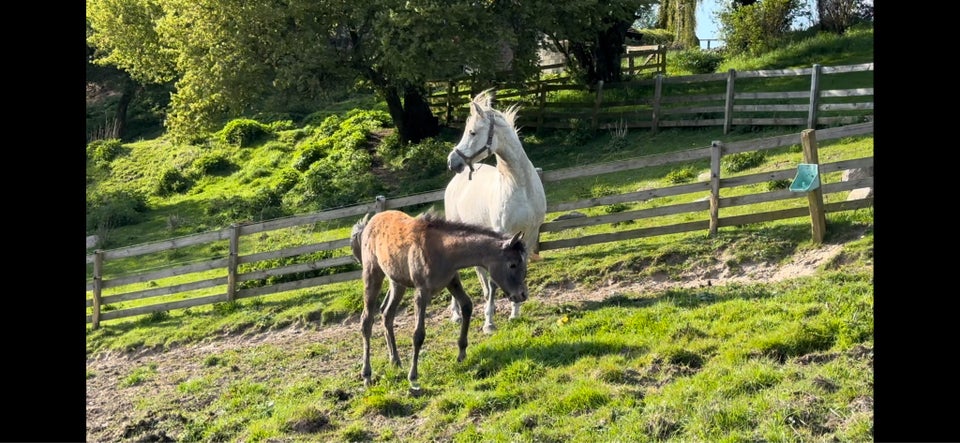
757, 28
212, 163
743, 161
172, 181
682, 175
580, 132
104, 151
697, 61
115, 209
422, 166
242, 132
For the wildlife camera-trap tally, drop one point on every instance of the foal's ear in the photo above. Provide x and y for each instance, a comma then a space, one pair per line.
517, 238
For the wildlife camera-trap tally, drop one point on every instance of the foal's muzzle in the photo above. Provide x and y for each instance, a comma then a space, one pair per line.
518, 297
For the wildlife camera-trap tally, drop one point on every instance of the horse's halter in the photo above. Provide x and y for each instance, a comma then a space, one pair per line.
486, 147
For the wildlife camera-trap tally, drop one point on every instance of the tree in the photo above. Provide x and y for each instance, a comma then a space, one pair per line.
231, 57
838, 15
680, 17
590, 33
228, 58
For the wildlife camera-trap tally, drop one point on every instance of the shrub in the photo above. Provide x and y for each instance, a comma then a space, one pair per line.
579, 134
682, 175
757, 28
743, 161
340, 179
697, 61
212, 163
242, 132
104, 151
422, 165
115, 209
774, 185
172, 181
310, 153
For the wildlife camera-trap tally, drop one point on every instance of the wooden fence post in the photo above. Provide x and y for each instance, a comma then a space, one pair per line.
818, 216
715, 154
97, 286
663, 58
448, 117
728, 106
814, 97
596, 105
542, 96
657, 93
232, 262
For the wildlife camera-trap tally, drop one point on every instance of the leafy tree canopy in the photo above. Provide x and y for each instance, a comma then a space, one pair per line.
229, 58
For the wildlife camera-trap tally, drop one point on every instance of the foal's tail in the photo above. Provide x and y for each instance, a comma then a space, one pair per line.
355, 236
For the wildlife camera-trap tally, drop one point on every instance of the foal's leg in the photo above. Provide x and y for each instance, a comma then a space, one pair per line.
420, 300
391, 303
489, 291
454, 310
456, 289
372, 282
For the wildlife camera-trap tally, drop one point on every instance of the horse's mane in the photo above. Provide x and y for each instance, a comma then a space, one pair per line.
509, 114
436, 220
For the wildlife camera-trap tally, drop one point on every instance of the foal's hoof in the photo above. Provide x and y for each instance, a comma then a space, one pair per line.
489, 329
415, 391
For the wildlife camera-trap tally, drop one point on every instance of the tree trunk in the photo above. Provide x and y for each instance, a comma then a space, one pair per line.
412, 116
601, 61
130, 90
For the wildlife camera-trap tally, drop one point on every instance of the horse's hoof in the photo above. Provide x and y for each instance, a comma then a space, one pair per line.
415, 391
367, 382
489, 329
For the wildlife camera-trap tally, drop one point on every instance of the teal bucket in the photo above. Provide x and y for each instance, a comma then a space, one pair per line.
807, 179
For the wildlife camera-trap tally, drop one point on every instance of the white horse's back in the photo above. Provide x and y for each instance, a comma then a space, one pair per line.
487, 200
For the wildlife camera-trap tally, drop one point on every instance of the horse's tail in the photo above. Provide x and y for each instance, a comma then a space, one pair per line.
355, 235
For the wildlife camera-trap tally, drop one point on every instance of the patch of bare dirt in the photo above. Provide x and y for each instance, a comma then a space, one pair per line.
112, 413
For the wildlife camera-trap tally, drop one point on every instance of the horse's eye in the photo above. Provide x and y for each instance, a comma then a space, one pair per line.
513, 266
472, 132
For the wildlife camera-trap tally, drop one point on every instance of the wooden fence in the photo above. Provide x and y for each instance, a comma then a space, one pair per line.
226, 287
663, 102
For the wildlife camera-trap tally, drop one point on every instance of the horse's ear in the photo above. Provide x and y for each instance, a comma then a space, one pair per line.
476, 108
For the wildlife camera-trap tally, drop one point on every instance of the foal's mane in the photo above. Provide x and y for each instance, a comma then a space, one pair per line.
509, 114
437, 221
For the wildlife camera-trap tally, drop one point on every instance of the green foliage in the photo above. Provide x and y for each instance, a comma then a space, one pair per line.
658, 36
172, 181
104, 151
579, 132
757, 28
774, 185
212, 163
243, 132
696, 60
742, 161
682, 175
113, 209
421, 166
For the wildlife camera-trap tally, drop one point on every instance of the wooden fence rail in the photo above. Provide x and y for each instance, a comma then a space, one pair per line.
658, 103
227, 272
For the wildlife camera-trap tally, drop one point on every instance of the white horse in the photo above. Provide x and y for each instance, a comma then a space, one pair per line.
508, 197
